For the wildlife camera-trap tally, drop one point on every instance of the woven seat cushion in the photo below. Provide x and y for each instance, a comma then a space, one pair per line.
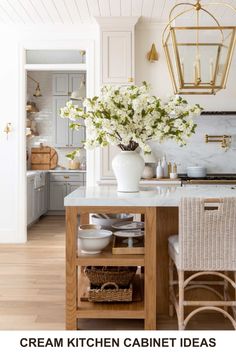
174, 242
173, 247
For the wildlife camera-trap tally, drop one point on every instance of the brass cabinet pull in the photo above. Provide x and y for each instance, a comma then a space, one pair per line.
130, 79
66, 177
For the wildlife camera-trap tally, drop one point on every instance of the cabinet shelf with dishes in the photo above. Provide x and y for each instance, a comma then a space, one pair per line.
78, 305
106, 258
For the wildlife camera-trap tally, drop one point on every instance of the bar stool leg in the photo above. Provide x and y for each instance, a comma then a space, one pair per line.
171, 287
226, 285
181, 300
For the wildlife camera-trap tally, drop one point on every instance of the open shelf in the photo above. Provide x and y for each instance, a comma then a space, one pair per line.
106, 258
130, 310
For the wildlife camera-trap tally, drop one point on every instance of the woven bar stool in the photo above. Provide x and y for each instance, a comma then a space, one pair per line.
206, 245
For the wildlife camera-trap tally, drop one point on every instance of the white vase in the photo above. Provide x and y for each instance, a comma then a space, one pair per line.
128, 167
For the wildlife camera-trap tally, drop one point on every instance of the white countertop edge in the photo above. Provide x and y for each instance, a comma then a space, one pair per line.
148, 196
32, 172
113, 182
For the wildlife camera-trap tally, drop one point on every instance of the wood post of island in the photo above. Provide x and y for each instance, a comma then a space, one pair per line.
76, 282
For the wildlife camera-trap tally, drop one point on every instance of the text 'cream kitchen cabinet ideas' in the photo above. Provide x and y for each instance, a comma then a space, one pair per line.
63, 85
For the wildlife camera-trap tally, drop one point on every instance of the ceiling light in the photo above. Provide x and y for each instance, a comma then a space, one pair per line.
198, 55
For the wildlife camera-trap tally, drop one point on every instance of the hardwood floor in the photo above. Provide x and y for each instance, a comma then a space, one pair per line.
32, 286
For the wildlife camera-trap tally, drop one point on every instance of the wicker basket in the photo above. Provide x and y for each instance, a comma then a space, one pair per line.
110, 292
122, 276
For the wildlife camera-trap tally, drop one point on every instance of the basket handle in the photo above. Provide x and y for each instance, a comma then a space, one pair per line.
109, 283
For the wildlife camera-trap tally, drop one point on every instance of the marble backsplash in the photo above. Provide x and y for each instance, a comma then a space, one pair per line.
197, 152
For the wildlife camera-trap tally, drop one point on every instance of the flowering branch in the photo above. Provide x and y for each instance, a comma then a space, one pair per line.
129, 116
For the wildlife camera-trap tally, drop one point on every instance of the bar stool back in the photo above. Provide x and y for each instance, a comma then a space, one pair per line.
206, 245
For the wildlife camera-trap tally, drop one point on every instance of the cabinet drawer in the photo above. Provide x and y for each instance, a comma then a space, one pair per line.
66, 177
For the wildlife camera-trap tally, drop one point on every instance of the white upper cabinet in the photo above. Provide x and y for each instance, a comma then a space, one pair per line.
117, 50
117, 57
117, 67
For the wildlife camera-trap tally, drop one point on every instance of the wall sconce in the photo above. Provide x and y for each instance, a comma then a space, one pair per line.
8, 129
82, 53
81, 93
152, 55
37, 92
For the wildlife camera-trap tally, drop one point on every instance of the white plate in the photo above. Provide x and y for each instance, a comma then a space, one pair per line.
127, 225
127, 234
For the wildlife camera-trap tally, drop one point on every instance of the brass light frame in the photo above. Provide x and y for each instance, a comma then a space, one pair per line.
176, 68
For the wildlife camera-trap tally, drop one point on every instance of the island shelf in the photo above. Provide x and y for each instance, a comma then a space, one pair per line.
76, 282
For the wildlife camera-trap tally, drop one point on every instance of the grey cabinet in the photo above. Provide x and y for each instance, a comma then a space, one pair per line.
63, 135
63, 85
60, 84
37, 200
58, 191
62, 184
30, 200
61, 126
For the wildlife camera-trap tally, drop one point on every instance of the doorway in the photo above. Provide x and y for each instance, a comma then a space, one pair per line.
42, 72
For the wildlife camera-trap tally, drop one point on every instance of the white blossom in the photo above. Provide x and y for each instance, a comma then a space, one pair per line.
129, 116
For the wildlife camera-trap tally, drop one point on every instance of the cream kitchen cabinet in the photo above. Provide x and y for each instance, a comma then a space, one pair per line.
117, 67
117, 50
117, 57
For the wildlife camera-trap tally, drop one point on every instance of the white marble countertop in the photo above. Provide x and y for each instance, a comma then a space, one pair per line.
31, 172
148, 196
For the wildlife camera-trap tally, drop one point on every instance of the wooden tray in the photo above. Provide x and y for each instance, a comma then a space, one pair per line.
43, 158
119, 247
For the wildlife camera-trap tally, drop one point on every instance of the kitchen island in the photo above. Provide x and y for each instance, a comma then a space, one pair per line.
159, 206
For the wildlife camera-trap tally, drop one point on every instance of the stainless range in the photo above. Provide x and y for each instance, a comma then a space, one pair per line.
209, 179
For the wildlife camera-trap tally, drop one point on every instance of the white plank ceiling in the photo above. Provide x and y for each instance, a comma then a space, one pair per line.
83, 11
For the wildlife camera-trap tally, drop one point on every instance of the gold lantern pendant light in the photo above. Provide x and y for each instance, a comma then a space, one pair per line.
198, 56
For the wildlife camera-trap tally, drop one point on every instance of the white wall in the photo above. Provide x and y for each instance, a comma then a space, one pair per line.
157, 73
197, 151
11, 228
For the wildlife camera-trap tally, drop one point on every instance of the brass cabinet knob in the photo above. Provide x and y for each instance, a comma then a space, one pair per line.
66, 177
130, 79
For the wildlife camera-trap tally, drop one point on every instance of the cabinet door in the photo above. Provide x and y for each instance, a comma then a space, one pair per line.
77, 137
72, 186
75, 81
60, 85
37, 203
61, 125
107, 155
30, 200
58, 191
116, 57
